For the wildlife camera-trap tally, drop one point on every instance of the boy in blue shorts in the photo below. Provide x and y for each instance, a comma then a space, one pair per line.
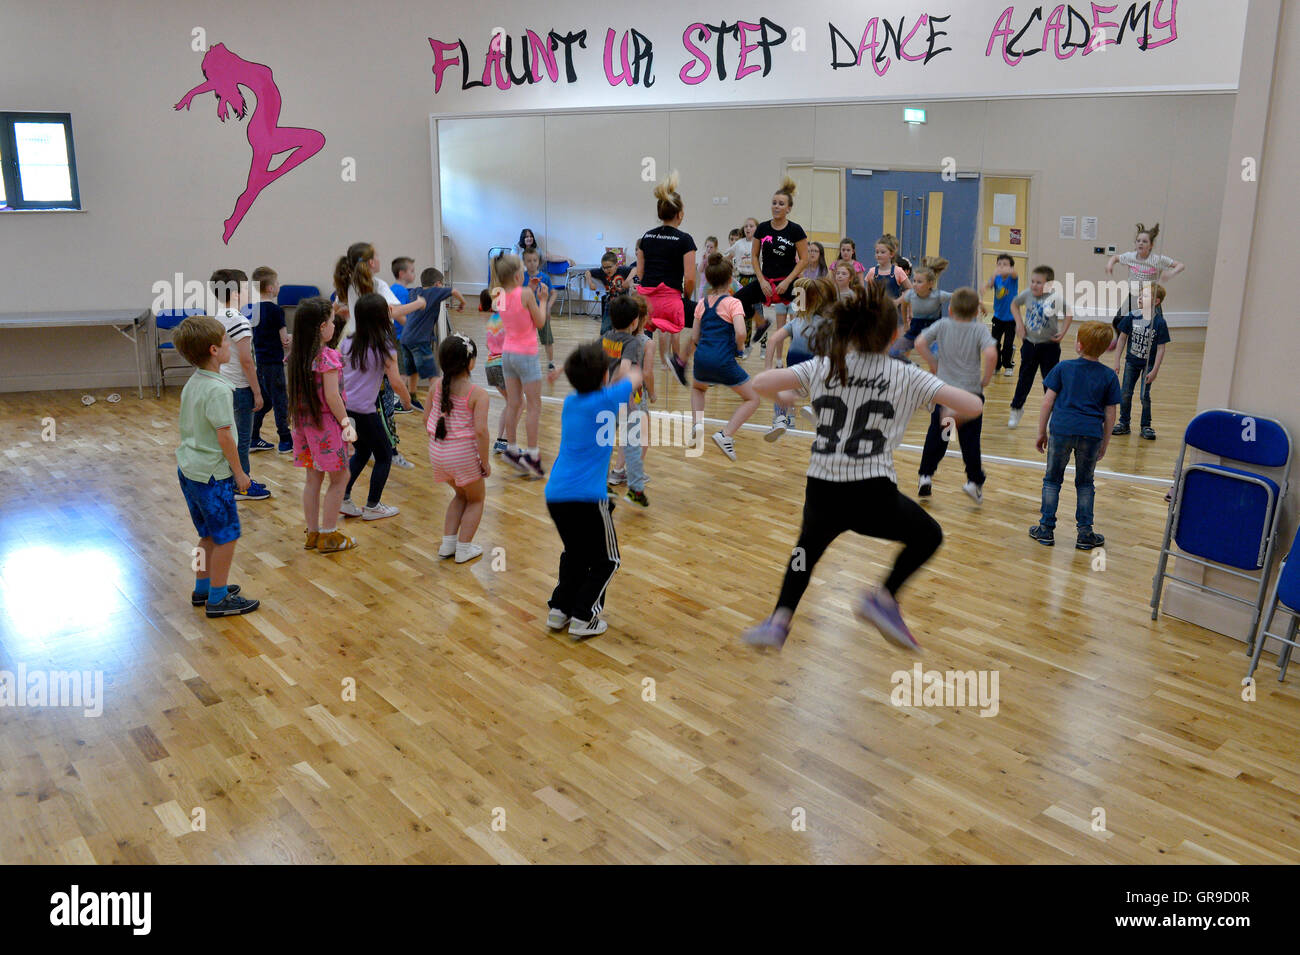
576, 493
208, 464
419, 337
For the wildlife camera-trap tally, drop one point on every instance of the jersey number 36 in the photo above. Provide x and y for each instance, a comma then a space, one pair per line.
863, 441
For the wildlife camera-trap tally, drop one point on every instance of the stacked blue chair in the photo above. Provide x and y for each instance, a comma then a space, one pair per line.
1222, 516
291, 295
164, 323
1285, 597
493, 254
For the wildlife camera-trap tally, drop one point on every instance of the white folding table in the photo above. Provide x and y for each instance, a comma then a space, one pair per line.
126, 322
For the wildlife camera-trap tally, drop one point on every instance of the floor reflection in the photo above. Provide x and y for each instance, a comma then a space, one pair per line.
49, 590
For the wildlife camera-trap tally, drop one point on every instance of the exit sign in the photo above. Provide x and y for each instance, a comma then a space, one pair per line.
913, 115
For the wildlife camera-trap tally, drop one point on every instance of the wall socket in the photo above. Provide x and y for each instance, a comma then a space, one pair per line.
1098, 250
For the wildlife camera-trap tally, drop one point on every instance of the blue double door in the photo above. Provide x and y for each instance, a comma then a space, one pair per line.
929, 215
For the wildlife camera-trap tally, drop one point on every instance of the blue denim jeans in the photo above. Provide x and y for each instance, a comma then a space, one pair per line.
270, 377
638, 424
1134, 372
1059, 449
243, 424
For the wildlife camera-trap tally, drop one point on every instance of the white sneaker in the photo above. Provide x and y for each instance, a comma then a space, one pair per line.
779, 425
467, 552
378, 512
1007, 372
348, 509
725, 443
557, 619
591, 628
976, 491
1014, 419
807, 412
401, 462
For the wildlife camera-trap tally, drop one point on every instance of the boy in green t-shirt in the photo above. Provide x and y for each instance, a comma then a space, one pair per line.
208, 465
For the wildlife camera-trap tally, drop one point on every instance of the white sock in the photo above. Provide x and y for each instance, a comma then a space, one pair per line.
534, 452
512, 448
449, 545
328, 530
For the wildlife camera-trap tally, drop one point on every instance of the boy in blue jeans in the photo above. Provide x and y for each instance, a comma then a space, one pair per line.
576, 494
1142, 341
208, 465
270, 339
1082, 398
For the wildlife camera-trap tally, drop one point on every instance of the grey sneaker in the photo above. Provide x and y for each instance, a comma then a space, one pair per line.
401, 462
557, 619
594, 627
348, 509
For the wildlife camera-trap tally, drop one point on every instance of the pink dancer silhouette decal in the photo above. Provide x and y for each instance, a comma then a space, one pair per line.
225, 73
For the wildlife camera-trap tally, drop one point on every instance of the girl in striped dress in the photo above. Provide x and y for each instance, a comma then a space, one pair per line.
456, 418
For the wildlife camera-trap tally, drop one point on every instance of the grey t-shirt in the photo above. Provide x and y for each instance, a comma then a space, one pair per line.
1042, 315
928, 308
959, 346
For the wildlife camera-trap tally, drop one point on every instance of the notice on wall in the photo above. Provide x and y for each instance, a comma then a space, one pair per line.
1015, 237
1088, 230
1069, 227
995, 234
1004, 208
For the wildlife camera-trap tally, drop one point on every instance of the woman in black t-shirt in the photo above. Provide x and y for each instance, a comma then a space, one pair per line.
780, 255
665, 261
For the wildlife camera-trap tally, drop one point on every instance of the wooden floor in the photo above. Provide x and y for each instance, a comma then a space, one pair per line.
477, 736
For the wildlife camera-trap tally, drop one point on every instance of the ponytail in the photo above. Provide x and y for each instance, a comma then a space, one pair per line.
669, 206
1152, 232
788, 188
454, 357
353, 271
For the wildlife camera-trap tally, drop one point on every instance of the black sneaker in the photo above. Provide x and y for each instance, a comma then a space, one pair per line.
679, 368
198, 600
1043, 535
415, 403
233, 606
924, 486
261, 445
638, 497
1087, 540
1149, 434
1119, 429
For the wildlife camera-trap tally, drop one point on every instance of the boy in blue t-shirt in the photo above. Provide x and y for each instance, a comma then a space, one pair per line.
1142, 342
1082, 398
419, 337
270, 339
576, 493
1006, 286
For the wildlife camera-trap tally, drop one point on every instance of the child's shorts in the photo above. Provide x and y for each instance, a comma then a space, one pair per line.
212, 507
522, 366
728, 373
455, 460
496, 377
418, 360
666, 311
544, 334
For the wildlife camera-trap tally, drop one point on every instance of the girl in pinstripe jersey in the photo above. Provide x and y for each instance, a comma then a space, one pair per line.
863, 400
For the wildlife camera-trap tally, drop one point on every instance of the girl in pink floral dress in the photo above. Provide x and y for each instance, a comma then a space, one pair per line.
319, 423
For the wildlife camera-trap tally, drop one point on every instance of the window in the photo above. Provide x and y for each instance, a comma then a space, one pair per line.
38, 167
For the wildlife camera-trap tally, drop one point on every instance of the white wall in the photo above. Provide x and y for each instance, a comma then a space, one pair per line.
1122, 159
157, 184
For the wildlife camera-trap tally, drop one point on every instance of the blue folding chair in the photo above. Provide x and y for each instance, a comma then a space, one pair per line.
291, 295
557, 270
164, 323
1285, 597
1224, 517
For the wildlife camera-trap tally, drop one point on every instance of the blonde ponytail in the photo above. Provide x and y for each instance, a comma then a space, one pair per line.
669, 204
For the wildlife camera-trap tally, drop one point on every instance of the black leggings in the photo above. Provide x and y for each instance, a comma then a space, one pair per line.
1043, 357
873, 508
372, 439
751, 296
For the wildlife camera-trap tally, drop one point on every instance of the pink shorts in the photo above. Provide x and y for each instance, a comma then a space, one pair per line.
455, 460
666, 311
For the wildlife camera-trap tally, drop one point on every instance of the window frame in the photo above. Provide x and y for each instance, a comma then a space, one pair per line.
9, 169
